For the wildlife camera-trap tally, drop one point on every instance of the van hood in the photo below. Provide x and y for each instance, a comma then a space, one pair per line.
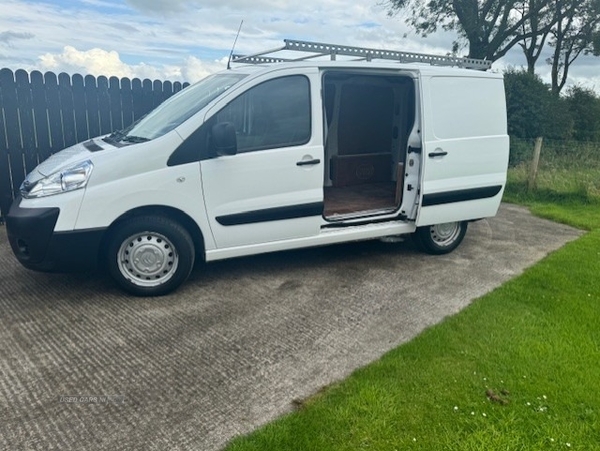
65, 159
62, 159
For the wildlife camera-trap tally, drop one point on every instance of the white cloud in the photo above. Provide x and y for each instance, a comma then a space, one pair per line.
165, 6
183, 39
195, 69
108, 62
172, 7
95, 61
587, 82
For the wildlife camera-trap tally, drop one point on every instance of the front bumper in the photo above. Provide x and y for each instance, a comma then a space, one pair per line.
37, 246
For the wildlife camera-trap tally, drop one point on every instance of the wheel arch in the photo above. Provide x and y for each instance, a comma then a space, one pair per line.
160, 210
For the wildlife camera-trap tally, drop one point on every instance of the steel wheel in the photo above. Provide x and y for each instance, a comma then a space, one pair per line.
445, 234
149, 258
150, 255
440, 238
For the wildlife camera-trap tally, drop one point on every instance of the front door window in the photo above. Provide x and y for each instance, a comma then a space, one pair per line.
271, 115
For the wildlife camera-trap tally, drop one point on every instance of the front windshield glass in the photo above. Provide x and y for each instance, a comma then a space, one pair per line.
179, 108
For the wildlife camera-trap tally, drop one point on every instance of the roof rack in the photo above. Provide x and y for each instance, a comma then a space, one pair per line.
318, 49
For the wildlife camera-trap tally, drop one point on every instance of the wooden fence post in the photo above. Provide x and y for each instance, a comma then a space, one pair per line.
537, 149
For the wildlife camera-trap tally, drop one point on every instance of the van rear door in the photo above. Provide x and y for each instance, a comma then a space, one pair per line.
465, 147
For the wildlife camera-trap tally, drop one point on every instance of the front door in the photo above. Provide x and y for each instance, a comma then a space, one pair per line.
465, 148
272, 188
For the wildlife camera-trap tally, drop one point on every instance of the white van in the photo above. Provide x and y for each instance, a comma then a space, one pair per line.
269, 157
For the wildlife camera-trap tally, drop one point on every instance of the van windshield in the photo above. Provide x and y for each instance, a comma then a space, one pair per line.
177, 109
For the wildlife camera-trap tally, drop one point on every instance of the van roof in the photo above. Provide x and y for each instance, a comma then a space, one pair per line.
421, 68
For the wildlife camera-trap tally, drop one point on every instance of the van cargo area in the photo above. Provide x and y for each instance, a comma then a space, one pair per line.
368, 120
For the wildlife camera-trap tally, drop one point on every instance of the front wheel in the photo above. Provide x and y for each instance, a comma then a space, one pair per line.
440, 238
150, 255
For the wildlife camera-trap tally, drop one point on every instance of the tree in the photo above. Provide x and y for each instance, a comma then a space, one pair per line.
532, 110
537, 26
584, 105
490, 27
577, 31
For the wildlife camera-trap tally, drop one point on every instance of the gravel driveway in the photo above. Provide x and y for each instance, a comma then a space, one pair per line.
236, 344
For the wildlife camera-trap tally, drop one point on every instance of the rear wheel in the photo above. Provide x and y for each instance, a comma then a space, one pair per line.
150, 255
440, 238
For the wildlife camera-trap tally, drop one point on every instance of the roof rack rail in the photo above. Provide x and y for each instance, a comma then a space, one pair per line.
318, 49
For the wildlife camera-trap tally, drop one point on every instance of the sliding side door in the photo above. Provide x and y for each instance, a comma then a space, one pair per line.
465, 147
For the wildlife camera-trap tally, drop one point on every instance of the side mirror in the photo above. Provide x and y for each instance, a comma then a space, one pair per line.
224, 138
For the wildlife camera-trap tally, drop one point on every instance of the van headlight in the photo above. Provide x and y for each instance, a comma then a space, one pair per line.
70, 179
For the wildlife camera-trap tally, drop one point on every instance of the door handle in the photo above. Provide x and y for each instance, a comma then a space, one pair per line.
439, 153
308, 162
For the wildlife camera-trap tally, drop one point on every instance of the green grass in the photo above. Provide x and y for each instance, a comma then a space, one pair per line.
568, 195
537, 338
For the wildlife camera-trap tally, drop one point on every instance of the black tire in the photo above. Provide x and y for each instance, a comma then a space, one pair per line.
150, 255
440, 238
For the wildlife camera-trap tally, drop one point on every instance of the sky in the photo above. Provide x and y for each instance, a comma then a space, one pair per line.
187, 40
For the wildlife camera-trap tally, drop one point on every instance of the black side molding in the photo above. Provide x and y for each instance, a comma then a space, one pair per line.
462, 195
272, 214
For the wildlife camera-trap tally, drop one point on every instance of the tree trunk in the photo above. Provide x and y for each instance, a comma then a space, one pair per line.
477, 49
554, 73
531, 60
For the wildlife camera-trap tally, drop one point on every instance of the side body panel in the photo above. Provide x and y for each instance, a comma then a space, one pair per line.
465, 147
138, 177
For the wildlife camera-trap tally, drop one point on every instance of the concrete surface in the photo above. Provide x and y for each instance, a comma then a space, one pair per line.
232, 348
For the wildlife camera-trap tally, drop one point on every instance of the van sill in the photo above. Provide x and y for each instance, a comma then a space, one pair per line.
362, 218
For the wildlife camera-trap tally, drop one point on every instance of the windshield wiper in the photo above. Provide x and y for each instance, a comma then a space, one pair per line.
134, 139
114, 137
